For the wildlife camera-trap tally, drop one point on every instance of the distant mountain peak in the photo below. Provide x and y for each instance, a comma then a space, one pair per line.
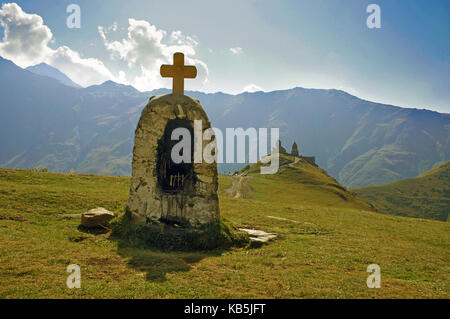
47, 70
111, 83
111, 86
4, 61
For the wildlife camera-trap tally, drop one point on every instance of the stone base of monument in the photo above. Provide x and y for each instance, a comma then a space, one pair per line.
217, 235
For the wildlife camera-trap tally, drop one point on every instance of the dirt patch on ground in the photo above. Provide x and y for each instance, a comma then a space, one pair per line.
239, 187
296, 160
103, 261
14, 218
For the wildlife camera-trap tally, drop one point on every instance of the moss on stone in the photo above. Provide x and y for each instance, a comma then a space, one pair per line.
220, 235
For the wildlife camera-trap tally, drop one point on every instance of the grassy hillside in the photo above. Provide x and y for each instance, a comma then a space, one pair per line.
302, 183
327, 238
426, 196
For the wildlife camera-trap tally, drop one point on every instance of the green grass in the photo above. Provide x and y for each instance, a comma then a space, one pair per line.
323, 249
426, 196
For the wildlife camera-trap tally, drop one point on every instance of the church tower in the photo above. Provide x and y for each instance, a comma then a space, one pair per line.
294, 150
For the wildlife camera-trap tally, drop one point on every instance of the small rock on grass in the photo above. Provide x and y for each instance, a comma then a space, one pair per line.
97, 217
258, 235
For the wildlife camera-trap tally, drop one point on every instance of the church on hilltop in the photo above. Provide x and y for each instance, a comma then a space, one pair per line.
294, 152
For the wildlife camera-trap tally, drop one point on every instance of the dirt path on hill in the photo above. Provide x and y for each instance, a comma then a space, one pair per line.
239, 184
296, 160
239, 187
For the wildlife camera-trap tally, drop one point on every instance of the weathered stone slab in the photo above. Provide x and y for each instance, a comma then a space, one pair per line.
96, 217
259, 235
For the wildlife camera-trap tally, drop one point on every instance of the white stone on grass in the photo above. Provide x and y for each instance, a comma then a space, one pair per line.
259, 235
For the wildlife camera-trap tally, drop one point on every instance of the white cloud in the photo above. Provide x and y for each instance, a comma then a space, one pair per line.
176, 37
252, 88
83, 71
26, 40
237, 50
147, 47
113, 27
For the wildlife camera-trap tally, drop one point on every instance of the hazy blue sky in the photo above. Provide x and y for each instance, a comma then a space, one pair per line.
267, 44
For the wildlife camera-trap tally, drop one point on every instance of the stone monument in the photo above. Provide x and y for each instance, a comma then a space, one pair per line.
163, 190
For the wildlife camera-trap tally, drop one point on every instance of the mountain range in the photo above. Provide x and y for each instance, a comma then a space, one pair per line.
46, 70
47, 122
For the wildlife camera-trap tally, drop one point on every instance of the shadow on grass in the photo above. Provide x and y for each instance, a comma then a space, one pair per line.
93, 230
158, 248
156, 263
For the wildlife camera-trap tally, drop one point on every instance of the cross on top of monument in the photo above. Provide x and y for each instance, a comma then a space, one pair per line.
178, 71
